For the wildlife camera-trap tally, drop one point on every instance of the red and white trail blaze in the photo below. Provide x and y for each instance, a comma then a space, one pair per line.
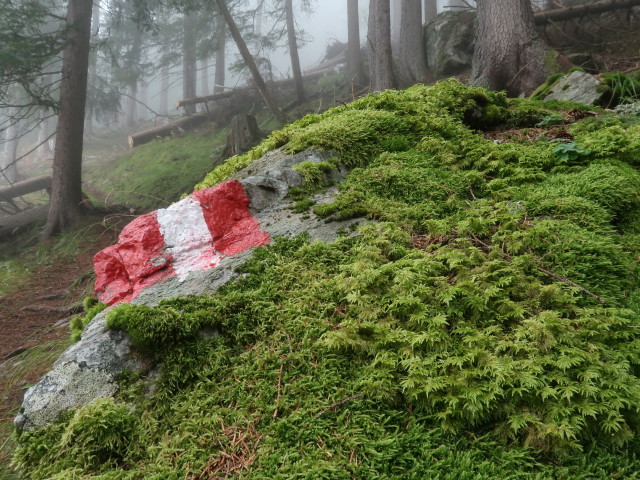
192, 234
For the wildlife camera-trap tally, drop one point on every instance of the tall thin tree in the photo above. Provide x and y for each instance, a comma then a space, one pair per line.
293, 51
221, 44
66, 184
379, 44
354, 62
412, 61
248, 60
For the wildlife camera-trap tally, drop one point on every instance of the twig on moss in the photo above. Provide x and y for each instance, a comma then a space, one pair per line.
337, 404
275, 412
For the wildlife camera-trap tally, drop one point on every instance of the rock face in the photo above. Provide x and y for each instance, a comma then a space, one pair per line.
449, 40
578, 87
89, 369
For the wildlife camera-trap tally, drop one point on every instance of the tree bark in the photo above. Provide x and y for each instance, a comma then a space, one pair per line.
411, 58
204, 77
189, 63
379, 43
429, 9
131, 105
560, 14
8, 167
221, 43
248, 59
244, 135
354, 63
44, 151
163, 108
508, 53
293, 51
66, 186
93, 71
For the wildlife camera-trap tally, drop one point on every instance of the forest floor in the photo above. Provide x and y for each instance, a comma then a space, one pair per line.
35, 315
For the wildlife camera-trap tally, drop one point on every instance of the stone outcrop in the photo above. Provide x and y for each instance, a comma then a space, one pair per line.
89, 369
578, 87
450, 39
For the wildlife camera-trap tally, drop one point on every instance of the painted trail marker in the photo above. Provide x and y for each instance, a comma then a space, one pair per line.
192, 234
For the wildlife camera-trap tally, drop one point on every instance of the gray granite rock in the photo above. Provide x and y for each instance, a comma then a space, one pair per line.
449, 42
578, 87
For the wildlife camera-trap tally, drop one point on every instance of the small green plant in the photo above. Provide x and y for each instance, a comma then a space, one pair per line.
618, 88
570, 152
549, 120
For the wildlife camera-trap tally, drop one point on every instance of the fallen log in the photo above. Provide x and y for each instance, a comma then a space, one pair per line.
209, 98
166, 130
312, 75
14, 224
24, 187
567, 13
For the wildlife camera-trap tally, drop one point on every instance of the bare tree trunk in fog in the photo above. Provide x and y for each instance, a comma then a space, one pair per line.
508, 53
144, 100
204, 77
66, 183
8, 167
395, 22
132, 83
257, 26
131, 105
354, 63
293, 51
44, 152
93, 70
163, 108
411, 57
251, 64
189, 65
379, 44
430, 9
221, 43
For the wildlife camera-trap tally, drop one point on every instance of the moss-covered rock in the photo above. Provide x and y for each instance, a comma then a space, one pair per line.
486, 320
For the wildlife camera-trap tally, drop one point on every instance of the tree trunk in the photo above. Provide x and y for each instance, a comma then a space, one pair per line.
430, 10
411, 58
144, 101
244, 135
93, 71
66, 186
189, 65
132, 105
508, 53
379, 43
44, 150
204, 77
163, 108
354, 63
9, 168
293, 51
221, 43
251, 64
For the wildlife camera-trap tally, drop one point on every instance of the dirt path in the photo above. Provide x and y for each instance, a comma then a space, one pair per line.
39, 313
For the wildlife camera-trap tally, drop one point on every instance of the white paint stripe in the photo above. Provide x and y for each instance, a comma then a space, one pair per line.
187, 237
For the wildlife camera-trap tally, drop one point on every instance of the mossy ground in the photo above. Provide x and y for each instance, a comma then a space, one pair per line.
484, 327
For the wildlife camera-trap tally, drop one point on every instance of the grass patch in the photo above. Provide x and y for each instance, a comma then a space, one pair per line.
158, 173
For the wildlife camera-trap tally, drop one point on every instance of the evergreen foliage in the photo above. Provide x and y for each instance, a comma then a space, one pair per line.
485, 326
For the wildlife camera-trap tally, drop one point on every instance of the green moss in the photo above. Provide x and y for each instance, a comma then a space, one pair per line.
484, 327
92, 307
